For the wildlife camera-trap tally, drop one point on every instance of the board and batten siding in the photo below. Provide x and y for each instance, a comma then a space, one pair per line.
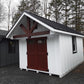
6, 57
70, 60
53, 54
22, 54
61, 59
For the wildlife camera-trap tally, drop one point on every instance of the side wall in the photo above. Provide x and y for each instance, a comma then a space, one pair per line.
69, 60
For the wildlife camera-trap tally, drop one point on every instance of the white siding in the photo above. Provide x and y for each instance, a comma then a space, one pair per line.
22, 54
53, 54
68, 59
61, 59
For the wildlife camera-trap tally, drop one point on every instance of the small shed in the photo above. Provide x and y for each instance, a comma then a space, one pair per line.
9, 50
46, 46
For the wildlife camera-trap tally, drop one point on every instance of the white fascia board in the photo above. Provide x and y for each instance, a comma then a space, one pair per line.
14, 25
40, 22
45, 25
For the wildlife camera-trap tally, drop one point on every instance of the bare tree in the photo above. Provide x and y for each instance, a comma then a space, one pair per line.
77, 19
45, 8
12, 14
55, 8
2, 13
9, 5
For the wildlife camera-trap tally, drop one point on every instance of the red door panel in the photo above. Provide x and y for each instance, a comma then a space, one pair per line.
37, 54
32, 62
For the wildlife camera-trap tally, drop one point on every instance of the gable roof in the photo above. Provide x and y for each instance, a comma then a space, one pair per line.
53, 26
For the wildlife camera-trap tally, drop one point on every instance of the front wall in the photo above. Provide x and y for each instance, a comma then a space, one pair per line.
53, 54
22, 54
68, 59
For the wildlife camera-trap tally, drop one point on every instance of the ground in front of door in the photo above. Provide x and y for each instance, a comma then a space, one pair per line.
13, 75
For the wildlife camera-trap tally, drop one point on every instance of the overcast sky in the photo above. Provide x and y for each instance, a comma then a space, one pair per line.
14, 4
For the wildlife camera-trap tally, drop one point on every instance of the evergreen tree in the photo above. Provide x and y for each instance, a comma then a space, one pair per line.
2, 13
77, 19
9, 7
34, 6
66, 11
28, 5
55, 10
45, 9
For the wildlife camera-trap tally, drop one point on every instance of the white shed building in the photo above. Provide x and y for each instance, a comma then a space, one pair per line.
46, 46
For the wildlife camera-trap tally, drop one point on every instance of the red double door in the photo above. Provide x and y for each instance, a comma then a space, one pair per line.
37, 54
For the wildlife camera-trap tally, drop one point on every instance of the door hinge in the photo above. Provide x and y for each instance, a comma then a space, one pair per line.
27, 53
47, 53
48, 70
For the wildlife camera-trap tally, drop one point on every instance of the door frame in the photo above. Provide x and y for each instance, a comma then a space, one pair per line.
38, 38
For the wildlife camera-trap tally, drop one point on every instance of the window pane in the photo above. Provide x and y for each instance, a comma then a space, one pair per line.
11, 47
74, 44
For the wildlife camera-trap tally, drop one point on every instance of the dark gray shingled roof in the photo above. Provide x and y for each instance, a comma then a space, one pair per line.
3, 32
54, 25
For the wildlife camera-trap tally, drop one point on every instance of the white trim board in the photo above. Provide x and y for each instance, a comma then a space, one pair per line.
47, 72
45, 25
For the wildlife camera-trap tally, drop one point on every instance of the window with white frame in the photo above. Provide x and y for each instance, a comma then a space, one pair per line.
74, 44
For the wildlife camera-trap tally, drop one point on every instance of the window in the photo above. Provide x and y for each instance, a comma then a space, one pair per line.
11, 47
74, 44
41, 41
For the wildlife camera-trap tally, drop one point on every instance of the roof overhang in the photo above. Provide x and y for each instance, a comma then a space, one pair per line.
42, 23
